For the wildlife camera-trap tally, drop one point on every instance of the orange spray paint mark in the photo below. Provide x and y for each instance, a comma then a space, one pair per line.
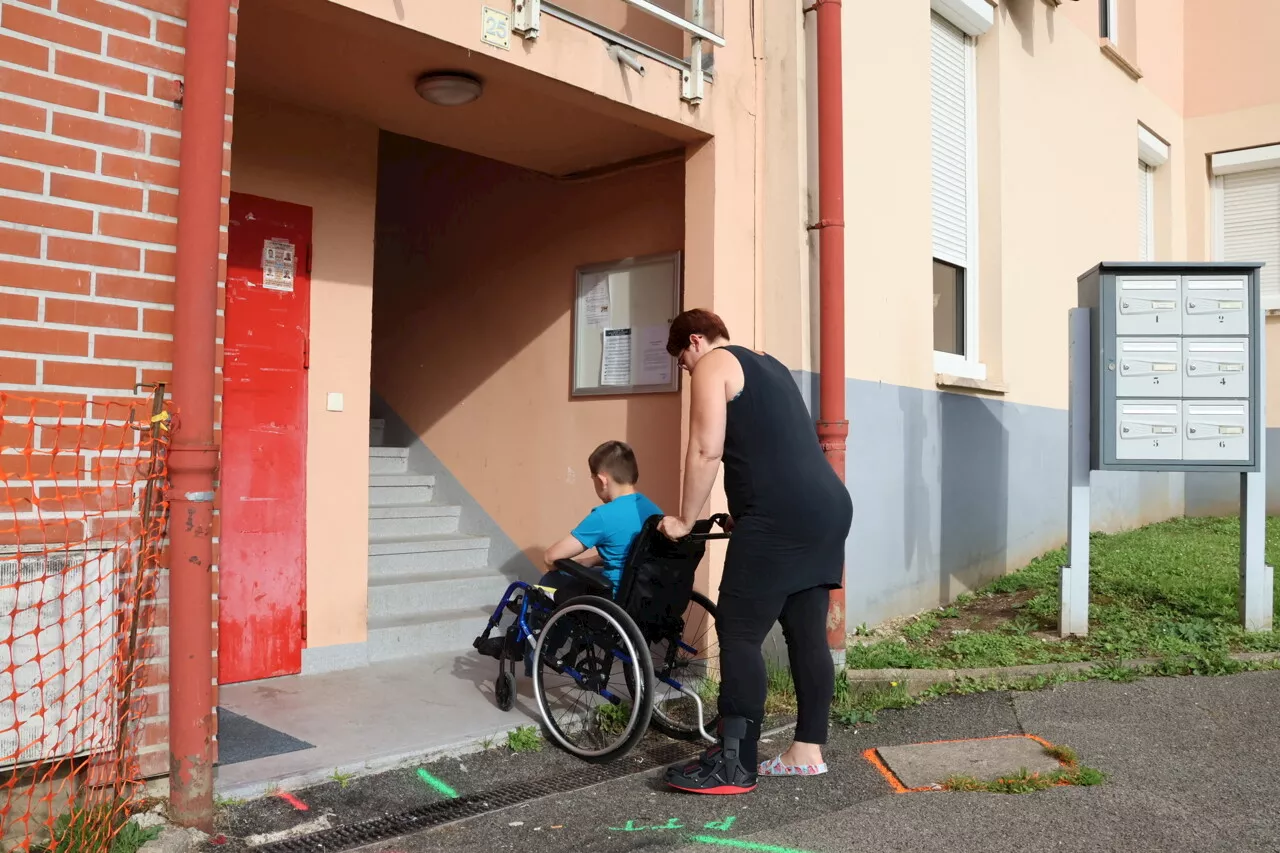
873, 757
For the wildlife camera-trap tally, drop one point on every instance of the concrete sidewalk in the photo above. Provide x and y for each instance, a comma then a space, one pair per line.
1192, 766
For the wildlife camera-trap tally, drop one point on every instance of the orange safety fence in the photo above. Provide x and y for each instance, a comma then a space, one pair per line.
82, 521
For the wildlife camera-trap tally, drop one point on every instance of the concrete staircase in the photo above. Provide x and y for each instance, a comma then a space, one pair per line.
430, 586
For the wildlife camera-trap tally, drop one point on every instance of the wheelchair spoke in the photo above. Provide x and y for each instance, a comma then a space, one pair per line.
687, 660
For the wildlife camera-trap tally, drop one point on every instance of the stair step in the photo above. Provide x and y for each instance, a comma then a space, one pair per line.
389, 522
388, 460
442, 543
377, 429
469, 553
400, 489
424, 595
445, 631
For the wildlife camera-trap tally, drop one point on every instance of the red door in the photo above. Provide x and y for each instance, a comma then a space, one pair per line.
262, 586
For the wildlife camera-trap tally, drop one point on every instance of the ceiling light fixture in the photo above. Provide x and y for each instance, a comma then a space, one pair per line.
448, 88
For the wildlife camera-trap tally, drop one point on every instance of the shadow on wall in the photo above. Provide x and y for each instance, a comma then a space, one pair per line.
473, 297
1219, 494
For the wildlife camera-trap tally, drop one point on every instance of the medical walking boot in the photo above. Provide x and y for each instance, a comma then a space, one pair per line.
719, 770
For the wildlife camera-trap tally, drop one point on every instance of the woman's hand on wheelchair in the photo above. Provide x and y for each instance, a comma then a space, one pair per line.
674, 528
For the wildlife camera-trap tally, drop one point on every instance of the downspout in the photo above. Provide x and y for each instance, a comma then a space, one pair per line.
193, 456
833, 428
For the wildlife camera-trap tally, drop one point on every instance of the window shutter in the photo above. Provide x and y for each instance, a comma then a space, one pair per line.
1251, 225
1146, 235
949, 110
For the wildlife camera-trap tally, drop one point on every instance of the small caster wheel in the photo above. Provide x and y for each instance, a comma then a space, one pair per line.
504, 689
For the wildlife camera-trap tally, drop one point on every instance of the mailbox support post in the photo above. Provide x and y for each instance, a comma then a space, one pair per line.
1073, 613
1257, 579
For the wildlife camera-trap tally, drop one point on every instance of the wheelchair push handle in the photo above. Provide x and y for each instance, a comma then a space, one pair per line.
720, 520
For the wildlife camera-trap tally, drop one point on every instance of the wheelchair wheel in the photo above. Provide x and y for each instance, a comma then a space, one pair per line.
690, 659
504, 690
589, 658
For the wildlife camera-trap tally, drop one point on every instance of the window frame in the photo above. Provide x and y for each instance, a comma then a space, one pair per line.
1258, 158
1109, 20
969, 364
1153, 152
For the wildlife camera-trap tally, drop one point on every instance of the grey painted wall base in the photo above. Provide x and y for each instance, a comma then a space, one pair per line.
334, 658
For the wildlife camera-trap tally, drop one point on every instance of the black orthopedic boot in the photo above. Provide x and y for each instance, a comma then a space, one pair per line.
719, 770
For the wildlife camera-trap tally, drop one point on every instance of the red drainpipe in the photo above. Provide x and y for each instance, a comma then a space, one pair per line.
833, 428
193, 456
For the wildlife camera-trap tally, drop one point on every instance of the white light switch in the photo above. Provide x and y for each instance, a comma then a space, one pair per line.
335, 401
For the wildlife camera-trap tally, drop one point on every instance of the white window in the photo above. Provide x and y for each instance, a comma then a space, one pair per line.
954, 201
1247, 213
1153, 152
1109, 20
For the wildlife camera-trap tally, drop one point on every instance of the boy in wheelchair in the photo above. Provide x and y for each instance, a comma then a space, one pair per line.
598, 545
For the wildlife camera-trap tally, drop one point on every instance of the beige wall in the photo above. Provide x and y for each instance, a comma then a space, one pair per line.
472, 318
331, 166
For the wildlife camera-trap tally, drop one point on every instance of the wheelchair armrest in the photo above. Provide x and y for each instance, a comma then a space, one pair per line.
582, 573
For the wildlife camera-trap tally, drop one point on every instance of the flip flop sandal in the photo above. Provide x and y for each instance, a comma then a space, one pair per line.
777, 768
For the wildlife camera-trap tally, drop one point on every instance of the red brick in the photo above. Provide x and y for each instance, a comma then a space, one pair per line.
102, 73
145, 53
42, 533
151, 376
170, 33
95, 192
33, 277
43, 341
15, 307
110, 17
21, 52
165, 146
50, 405
93, 253
88, 375
165, 204
133, 169
144, 112
166, 89
25, 116
116, 408
138, 228
158, 322
132, 349
73, 312
136, 289
172, 8
14, 242
100, 132
21, 179
38, 213
161, 263
154, 764
51, 28
37, 88
50, 153
17, 371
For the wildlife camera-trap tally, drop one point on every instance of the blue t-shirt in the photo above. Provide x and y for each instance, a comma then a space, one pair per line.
611, 528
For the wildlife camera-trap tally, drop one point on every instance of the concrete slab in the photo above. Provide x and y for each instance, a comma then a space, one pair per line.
924, 764
373, 718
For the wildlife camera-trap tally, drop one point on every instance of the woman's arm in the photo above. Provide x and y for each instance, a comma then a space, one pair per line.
707, 414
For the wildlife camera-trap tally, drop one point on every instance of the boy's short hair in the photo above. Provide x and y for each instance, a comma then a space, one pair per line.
617, 460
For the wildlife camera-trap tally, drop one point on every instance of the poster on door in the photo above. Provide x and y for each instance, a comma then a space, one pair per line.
278, 265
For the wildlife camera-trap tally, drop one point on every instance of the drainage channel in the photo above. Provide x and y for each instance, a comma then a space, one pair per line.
432, 815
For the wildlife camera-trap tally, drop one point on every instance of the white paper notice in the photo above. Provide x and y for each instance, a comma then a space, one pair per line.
595, 302
615, 366
278, 265
655, 363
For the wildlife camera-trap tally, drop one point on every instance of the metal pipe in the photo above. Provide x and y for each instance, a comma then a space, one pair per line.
193, 456
833, 428
693, 29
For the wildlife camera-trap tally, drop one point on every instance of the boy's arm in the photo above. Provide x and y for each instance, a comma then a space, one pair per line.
566, 549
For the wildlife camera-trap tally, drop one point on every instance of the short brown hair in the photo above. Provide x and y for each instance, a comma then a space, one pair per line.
617, 460
696, 321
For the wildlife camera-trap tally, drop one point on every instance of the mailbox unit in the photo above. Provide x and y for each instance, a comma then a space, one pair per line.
1174, 376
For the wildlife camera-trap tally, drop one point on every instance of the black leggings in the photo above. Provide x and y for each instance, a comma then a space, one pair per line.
742, 625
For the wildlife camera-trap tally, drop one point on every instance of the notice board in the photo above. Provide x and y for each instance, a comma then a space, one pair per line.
622, 312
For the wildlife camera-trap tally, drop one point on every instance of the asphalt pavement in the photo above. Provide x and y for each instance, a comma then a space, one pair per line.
1193, 764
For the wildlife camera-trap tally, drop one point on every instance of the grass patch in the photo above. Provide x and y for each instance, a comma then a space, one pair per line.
1026, 782
1167, 591
524, 739
87, 830
343, 779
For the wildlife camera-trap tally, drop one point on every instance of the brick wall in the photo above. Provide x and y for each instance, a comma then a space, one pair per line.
90, 117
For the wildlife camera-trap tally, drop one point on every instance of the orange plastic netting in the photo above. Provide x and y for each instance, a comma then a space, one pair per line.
82, 515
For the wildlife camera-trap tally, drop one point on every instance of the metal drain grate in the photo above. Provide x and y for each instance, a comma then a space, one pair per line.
437, 814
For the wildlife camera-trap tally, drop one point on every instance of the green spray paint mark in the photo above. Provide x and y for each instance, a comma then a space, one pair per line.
720, 825
437, 784
744, 845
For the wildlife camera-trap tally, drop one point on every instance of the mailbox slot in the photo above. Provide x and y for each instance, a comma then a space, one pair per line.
1216, 368
1216, 430
1148, 429
1215, 306
1149, 367
1148, 305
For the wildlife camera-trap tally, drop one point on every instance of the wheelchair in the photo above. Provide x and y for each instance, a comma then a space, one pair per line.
604, 670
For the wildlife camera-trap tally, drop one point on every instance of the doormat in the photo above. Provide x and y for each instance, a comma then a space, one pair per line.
242, 739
